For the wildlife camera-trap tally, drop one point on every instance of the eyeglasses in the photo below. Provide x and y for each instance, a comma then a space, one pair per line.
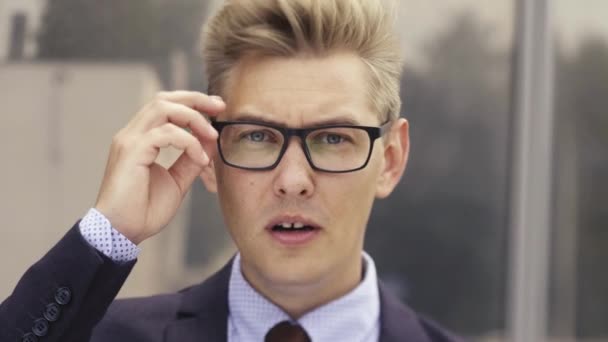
259, 146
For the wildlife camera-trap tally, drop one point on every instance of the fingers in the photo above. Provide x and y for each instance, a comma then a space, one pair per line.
163, 112
184, 171
140, 196
203, 103
182, 108
162, 123
171, 135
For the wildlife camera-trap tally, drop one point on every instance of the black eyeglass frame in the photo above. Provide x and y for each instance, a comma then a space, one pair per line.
373, 132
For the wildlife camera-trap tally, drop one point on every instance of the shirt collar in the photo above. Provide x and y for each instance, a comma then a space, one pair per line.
357, 312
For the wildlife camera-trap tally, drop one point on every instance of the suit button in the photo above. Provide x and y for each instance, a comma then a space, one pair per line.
63, 296
52, 312
29, 337
40, 327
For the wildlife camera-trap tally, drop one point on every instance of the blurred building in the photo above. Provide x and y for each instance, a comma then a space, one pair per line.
56, 129
58, 124
19, 23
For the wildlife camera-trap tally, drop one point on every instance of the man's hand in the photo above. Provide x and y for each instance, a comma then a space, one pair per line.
138, 196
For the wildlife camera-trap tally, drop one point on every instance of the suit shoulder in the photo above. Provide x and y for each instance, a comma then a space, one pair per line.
400, 322
148, 308
435, 332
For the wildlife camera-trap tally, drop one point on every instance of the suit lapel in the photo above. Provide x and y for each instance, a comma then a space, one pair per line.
398, 323
203, 312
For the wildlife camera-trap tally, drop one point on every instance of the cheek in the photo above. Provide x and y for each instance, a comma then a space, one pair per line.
228, 193
239, 194
351, 197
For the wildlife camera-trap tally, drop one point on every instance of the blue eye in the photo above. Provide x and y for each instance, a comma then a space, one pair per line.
256, 136
333, 139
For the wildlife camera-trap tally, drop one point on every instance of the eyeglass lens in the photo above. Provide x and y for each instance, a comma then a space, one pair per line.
332, 149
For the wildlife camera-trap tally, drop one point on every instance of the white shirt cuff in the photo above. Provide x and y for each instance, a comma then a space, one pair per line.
99, 233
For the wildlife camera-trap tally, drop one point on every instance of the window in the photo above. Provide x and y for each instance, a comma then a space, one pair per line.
580, 217
440, 240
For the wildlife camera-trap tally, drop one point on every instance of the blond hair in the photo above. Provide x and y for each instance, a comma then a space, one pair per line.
288, 28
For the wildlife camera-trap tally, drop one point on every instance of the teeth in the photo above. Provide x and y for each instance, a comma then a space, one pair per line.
295, 225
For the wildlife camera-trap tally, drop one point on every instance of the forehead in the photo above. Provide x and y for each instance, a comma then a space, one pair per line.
301, 90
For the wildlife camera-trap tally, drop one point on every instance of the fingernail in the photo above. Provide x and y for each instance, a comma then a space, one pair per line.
217, 100
213, 132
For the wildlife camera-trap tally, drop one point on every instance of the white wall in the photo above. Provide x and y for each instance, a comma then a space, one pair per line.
55, 130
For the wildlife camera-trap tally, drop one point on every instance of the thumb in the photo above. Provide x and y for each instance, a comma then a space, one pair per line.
184, 171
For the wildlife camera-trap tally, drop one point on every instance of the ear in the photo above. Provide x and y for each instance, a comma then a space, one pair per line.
208, 177
396, 153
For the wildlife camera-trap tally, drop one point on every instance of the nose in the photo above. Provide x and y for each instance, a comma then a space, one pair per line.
294, 176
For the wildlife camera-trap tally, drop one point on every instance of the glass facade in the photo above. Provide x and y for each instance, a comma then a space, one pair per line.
579, 300
440, 240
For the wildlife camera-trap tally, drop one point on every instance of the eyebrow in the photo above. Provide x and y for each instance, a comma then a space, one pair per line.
258, 118
341, 120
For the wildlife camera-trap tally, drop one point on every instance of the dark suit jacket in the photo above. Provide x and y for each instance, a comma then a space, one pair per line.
68, 296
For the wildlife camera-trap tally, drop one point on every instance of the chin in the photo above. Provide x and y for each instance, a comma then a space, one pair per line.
292, 271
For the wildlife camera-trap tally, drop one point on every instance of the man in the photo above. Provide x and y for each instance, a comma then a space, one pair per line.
304, 134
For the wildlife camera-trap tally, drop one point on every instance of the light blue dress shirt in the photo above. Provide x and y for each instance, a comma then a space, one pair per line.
354, 317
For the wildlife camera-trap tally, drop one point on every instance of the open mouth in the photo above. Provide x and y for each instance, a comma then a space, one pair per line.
292, 227
293, 231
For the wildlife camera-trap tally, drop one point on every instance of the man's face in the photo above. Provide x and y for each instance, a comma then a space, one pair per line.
296, 93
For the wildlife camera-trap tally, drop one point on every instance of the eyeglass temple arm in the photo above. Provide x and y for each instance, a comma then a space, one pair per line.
385, 127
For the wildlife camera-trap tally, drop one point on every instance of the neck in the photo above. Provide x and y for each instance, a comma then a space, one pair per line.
301, 298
